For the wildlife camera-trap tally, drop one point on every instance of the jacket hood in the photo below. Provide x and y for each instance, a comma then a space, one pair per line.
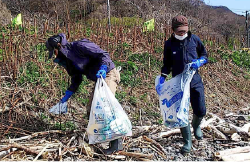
64, 40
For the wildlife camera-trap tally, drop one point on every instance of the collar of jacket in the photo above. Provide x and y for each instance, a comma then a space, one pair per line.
188, 37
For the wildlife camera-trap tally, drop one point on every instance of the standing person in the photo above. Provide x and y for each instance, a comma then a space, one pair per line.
84, 57
182, 48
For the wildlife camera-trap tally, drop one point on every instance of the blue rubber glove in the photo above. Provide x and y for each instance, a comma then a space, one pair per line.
160, 85
102, 71
196, 63
68, 94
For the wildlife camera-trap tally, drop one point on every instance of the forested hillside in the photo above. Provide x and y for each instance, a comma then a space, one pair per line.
30, 84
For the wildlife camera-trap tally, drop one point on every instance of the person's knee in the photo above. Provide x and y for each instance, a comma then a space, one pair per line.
200, 112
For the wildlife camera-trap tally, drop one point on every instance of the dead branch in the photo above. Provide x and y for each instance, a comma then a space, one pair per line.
143, 159
169, 133
136, 155
5, 109
33, 135
217, 133
7, 155
157, 151
43, 150
139, 130
15, 145
156, 144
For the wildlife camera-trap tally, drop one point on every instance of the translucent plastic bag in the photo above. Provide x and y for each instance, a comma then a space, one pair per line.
175, 98
108, 120
59, 108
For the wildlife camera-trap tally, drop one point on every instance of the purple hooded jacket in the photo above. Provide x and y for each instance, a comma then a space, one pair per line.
86, 57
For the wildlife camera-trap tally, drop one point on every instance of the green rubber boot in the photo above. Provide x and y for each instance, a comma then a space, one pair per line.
196, 125
186, 134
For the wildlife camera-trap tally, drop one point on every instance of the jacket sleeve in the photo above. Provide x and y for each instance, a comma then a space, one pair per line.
167, 60
76, 80
201, 49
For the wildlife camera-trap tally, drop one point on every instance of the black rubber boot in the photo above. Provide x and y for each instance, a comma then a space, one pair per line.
196, 125
186, 134
115, 145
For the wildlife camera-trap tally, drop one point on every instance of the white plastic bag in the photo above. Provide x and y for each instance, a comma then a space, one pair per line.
175, 98
108, 120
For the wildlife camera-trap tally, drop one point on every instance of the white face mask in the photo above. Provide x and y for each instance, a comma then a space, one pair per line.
180, 37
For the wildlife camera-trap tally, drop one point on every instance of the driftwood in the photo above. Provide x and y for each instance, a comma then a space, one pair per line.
218, 133
136, 155
218, 130
32, 136
18, 146
116, 157
29, 148
140, 130
9, 154
18, 105
43, 150
229, 128
87, 149
237, 157
60, 152
157, 145
235, 154
169, 133
5, 109
235, 137
204, 124
143, 159
3, 154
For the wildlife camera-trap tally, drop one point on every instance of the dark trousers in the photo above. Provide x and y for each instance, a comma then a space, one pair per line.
197, 99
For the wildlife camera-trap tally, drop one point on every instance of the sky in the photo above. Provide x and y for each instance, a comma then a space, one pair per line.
237, 6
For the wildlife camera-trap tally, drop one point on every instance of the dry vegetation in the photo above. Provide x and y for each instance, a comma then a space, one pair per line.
30, 84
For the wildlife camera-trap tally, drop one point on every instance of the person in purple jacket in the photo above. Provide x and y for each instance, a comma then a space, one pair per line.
84, 57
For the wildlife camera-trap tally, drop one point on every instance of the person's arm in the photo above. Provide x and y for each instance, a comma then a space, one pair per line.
76, 80
166, 68
201, 50
202, 54
167, 60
